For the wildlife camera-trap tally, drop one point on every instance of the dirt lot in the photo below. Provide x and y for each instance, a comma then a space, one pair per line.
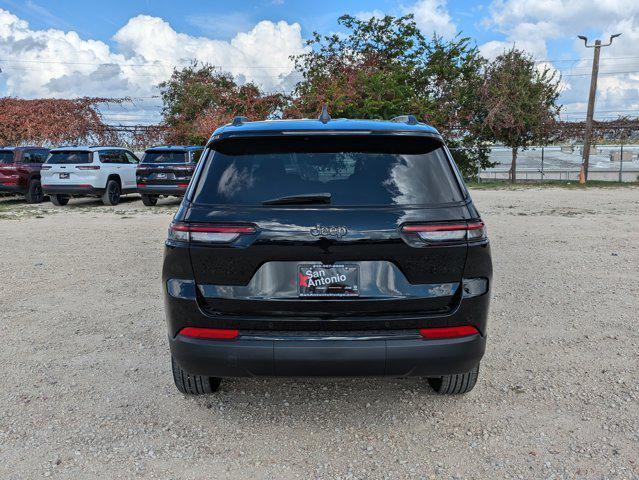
86, 390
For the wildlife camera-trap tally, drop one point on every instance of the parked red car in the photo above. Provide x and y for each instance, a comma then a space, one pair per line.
20, 171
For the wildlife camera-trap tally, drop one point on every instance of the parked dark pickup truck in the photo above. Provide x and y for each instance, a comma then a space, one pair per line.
20, 171
166, 171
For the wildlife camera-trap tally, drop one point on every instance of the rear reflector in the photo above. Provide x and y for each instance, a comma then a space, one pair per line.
448, 332
209, 333
185, 232
183, 185
447, 232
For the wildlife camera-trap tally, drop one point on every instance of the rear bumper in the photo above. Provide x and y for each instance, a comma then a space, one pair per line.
151, 189
249, 356
71, 190
11, 188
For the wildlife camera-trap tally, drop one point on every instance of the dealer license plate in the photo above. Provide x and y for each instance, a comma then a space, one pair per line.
328, 280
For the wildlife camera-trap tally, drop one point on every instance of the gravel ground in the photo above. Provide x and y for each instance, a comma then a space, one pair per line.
87, 391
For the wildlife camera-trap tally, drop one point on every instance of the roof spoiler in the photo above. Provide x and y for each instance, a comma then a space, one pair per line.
407, 119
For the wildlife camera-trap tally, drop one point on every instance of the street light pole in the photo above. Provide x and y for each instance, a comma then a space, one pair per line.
583, 174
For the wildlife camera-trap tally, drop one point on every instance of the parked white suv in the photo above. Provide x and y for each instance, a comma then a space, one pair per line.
106, 172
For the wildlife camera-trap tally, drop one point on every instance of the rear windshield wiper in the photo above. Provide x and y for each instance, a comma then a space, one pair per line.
303, 199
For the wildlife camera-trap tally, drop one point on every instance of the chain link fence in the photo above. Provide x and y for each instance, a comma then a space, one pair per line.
611, 163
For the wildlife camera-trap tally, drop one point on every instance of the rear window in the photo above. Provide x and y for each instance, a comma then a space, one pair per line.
70, 157
6, 156
353, 170
164, 157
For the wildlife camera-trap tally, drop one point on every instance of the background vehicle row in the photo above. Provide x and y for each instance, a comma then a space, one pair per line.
96, 171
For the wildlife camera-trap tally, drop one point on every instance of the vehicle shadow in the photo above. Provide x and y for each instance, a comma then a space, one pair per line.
342, 401
8, 200
85, 202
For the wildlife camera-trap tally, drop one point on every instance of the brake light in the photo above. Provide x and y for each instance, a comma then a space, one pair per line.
476, 230
209, 333
448, 332
447, 232
88, 167
184, 232
183, 185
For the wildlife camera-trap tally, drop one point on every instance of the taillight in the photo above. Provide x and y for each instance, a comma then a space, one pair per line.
209, 333
447, 232
182, 185
448, 332
88, 167
185, 232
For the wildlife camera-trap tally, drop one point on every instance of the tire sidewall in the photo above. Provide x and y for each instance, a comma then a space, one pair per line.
34, 193
107, 197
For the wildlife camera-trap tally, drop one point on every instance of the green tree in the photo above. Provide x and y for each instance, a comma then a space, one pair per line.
383, 67
520, 100
198, 99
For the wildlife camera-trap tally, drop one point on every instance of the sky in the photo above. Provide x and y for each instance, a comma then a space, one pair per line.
66, 49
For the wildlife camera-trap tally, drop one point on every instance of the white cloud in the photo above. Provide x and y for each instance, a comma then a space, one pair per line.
54, 63
432, 16
367, 15
532, 24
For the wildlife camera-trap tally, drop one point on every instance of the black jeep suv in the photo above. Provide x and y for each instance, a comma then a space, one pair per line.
166, 171
327, 248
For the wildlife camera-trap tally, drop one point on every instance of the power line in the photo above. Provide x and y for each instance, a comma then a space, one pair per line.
600, 73
187, 62
153, 64
583, 59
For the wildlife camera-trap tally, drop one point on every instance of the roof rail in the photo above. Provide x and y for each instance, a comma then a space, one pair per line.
324, 117
239, 121
408, 119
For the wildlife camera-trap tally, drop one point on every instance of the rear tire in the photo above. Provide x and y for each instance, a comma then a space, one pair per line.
149, 200
193, 384
112, 192
455, 384
34, 192
59, 200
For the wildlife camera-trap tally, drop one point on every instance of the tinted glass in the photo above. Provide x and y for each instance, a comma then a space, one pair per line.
34, 156
6, 156
131, 158
355, 171
70, 157
113, 156
165, 157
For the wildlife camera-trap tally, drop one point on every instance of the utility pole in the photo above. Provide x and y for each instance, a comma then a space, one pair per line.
583, 174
